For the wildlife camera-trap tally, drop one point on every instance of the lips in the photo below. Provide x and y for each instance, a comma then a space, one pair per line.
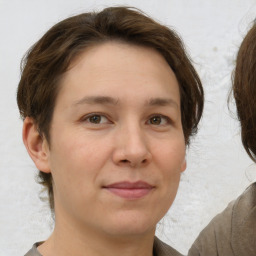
130, 190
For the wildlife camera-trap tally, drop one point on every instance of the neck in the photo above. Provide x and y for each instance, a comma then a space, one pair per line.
68, 239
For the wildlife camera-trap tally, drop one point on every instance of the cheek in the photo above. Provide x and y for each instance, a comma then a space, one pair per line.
75, 166
171, 160
79, 155
171, 156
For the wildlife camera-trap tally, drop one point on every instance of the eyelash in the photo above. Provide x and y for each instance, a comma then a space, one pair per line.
87, 119
168, 120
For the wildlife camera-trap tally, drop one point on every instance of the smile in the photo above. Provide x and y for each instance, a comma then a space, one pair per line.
130, 190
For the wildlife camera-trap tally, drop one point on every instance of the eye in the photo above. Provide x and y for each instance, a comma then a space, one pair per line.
159, 120
96, 119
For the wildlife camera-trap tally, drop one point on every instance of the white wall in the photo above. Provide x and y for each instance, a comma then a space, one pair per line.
218, 168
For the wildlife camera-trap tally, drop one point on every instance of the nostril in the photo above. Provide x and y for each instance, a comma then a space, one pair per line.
127, 161
144, 161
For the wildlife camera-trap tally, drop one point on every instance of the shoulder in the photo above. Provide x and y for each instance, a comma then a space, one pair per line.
243, 239
163, 249
214, 236
33, 251
231, 232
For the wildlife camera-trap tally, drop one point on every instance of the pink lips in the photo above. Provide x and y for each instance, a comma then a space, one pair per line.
130, 190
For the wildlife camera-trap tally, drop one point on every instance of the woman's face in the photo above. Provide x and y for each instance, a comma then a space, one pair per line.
117, 145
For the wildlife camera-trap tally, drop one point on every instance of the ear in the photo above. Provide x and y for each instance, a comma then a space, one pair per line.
36, 145
183, 166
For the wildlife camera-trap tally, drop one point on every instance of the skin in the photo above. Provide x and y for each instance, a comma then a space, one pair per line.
117, 118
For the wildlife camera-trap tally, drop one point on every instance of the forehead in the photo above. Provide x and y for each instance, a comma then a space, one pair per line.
119, 68
114, 53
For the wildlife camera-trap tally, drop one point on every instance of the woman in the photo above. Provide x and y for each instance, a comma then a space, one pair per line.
233, 232
109, 101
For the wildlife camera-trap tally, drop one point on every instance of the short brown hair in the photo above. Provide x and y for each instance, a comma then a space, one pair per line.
244, 91
47, 60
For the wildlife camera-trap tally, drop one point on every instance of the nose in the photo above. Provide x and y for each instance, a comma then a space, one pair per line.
132, 148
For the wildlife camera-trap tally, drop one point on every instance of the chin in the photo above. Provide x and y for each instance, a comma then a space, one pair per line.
132, 225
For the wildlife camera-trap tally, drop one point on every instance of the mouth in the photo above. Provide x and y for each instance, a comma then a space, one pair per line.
130, 190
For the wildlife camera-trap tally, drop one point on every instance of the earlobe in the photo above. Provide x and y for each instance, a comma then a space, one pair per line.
36, 145
184, 165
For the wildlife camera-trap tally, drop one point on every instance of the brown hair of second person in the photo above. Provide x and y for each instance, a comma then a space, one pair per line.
244, 90
47, 60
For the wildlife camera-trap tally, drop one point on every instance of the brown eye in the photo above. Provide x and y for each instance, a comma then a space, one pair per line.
159, 120
156, 120
96, 119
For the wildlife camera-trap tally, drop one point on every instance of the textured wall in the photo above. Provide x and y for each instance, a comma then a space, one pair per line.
218, 168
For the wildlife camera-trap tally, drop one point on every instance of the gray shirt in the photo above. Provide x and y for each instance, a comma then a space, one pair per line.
160, 249
232, 232
33, 251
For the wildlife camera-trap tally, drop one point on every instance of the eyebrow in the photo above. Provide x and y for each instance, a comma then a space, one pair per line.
97, 100
112, 101
162, 102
